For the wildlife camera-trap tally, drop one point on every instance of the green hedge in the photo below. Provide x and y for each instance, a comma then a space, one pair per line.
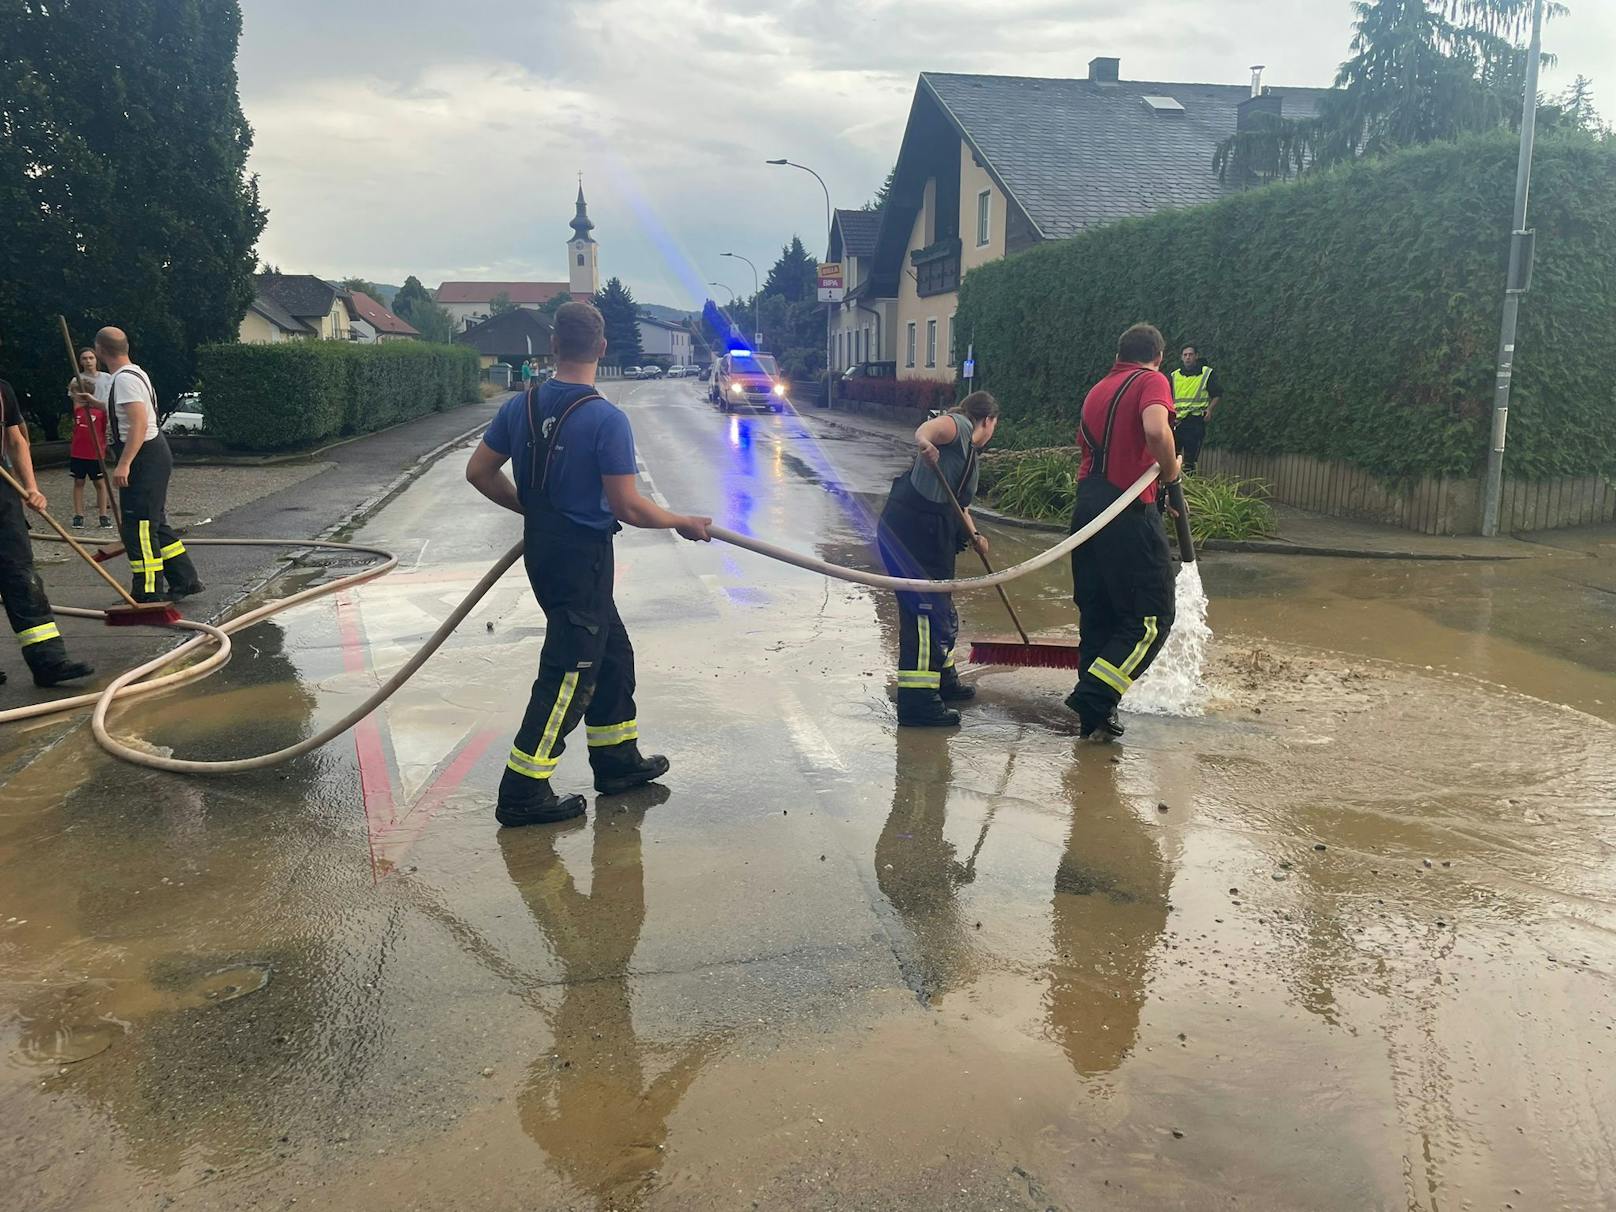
299, 393
1351, 315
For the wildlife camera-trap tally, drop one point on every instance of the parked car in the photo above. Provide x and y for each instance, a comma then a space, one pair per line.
186, 416
871, 370
746, 378
681, 372
631, 372
651, 372
706, 372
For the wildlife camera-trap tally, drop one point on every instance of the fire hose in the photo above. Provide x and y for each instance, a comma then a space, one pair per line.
133, 683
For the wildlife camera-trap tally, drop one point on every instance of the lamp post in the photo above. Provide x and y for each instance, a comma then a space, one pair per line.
757, 289
731, 292
1520, 279
830, 308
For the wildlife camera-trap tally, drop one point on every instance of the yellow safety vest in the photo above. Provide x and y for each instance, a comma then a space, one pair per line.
1189, 393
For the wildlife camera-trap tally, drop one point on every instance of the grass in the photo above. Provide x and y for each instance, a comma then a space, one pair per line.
1042, 485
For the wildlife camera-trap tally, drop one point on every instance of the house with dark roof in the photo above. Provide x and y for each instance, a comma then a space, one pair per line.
991, 165
267, 322
313, 302
861, 325
373, 323
511, 337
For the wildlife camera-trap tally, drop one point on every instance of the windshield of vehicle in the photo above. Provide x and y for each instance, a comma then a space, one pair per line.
753, 364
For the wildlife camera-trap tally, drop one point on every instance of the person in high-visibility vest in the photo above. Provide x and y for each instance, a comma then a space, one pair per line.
1196, 392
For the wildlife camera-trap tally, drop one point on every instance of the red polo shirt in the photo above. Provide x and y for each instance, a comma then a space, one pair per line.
1128, 457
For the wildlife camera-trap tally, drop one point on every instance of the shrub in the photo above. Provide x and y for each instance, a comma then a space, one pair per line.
1352, 315
1227, 508
916, 395
298, 393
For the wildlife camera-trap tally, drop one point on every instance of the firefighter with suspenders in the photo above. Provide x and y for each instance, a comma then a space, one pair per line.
573, 456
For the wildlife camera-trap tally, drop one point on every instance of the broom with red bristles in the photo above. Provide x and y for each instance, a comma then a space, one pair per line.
128, 613
1025, 654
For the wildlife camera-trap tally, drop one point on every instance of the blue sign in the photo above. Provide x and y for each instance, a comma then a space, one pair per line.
969, 369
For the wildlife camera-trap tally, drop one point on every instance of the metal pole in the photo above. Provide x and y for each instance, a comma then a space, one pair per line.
1520, 274
830, 308
757, 289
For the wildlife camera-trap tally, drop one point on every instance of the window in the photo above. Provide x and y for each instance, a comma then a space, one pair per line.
951, 340
909, 348
984, 211
931, 342
580, 258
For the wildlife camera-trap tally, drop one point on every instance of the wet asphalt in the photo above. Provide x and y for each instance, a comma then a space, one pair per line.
1344, 941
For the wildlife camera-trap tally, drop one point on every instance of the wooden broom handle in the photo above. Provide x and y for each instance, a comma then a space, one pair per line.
965, 521
100, 452
71, 541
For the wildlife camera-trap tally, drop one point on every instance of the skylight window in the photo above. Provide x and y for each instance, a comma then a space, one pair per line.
1163, 105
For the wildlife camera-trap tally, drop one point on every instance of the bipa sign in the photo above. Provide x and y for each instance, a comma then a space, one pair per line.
832, 286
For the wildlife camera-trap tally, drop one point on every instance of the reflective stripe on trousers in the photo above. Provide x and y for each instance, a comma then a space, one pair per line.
539, 764
605, 735
38, 635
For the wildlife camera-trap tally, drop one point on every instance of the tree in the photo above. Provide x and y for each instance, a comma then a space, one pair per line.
551, 305
617, 307
124, 195
795, 276
411, 295
500, 304
364, 287
885, 192
415, 306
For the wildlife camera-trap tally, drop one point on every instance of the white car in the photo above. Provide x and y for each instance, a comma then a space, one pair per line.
681, 372
187, 415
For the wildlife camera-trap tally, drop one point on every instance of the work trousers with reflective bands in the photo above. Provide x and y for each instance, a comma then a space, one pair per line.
915, 543
1122, 582
586, 668
28, 610
157, 558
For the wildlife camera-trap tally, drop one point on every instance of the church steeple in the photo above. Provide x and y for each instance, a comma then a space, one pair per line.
581, 224
583, 254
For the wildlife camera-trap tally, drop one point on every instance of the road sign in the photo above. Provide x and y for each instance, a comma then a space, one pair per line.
968, 371
832, 288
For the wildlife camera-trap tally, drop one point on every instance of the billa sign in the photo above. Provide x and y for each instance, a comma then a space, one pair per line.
832, 288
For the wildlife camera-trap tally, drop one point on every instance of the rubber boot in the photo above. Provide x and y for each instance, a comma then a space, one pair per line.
525, 801
953, 690
620, 768
54, 673
924, 709
175, 593
1094, 728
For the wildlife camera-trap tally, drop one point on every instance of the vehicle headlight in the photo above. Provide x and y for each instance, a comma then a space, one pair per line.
736, 389
779, 389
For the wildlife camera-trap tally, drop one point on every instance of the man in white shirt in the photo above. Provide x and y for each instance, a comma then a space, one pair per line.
157, 558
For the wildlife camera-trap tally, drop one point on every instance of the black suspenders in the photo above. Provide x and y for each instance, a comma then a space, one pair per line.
538, 480
1102, 450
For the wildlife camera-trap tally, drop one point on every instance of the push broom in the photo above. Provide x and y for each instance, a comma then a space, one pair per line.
104, 553
1008, 652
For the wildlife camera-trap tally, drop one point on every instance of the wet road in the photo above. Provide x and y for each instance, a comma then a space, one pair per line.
1346, 941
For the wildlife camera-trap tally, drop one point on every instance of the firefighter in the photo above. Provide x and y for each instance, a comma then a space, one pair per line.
574, 462
1122, 578
161, 567
1196, 392
27, 608
920, 535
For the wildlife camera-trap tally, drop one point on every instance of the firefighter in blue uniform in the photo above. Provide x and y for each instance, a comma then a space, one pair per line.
573, 457
920, 535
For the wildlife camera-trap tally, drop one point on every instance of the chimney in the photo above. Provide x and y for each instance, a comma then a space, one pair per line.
1104, 70
1259, 111
1256, 78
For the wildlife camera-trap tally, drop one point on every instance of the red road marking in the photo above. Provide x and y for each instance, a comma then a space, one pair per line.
375, 779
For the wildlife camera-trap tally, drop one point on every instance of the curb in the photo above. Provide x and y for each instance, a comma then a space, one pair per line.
1267, 546
299, 455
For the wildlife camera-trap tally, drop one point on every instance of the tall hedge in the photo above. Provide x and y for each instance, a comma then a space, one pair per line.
1352, 315
299, 393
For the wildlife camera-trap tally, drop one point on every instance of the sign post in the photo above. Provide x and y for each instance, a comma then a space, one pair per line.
832, 290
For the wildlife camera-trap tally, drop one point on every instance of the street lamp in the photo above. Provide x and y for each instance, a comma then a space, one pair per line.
830, 309
757, 289
731, 292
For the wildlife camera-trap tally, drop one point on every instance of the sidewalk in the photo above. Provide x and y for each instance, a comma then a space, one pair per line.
313, 497
1299, 532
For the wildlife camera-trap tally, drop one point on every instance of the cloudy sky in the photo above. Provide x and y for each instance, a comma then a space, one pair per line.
444, 139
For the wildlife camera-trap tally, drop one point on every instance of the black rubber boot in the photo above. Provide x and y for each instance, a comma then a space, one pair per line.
620, 768
924, 709
54, 674
1094, 728
176, 592
525, 801
953, 690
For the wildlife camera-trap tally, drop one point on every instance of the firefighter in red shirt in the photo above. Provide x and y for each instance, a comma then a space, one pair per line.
1122, 578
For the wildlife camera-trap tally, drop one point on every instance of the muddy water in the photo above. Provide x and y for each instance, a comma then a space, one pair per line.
1343, 941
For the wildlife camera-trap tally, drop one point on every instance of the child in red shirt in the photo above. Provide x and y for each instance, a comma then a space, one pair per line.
90, 436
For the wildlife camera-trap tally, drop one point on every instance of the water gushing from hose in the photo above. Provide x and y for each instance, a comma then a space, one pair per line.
1174, 684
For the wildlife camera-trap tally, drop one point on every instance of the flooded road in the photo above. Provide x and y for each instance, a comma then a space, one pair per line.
1347, 940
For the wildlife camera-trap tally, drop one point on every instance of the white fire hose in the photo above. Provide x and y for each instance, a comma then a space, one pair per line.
133, 683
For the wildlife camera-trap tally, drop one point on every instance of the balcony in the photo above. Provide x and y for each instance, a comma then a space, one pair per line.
937, 267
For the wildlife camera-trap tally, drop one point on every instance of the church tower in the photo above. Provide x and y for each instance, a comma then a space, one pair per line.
583, 254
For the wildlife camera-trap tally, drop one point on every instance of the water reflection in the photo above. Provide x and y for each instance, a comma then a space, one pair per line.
1107, 914
599, 1103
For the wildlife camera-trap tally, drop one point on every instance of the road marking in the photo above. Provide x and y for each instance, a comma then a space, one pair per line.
808, 737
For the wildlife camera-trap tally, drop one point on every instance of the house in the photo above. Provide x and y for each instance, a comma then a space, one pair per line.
991, 165
512, 338
372, 323
313, 302
471, 303
861, 325
664, 339
267, 322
